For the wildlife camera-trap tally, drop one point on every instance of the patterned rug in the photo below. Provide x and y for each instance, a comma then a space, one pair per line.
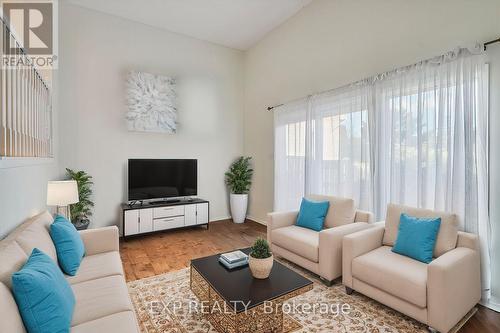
165, 303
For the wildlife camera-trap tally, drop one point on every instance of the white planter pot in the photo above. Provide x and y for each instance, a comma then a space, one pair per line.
238, 203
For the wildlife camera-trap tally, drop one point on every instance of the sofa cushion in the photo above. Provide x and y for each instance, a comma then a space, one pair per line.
123, 322
35, 233
301, 241
44, 298
8, 309
99, 298
448, 231
68, 243
12, 258
341, 211
395, 274
98, 266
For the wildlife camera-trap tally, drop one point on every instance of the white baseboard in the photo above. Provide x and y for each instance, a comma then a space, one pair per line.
263, 222
220, 218
215, 219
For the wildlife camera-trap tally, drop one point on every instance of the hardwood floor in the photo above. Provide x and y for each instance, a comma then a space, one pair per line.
170, 251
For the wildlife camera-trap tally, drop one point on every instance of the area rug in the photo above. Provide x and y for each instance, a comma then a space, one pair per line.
165, 303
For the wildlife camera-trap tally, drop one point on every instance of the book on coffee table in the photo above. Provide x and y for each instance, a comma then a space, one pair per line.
236, 264
234, 257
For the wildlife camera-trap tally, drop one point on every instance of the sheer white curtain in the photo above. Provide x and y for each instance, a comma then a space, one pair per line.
290, 126
417, 135
339, 160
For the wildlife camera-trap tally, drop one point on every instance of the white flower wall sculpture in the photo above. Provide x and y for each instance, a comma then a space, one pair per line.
151, 103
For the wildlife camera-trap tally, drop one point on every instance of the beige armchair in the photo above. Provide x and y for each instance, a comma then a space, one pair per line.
318, 252
438, 294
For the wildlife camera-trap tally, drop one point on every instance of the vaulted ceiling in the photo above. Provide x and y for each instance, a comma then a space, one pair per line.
237, 24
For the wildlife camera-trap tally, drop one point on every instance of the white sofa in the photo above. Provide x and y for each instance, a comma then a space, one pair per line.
318, 252
438, 294
102, 300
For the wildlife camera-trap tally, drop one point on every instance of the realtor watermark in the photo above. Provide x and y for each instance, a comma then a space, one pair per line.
29, 34
268, 307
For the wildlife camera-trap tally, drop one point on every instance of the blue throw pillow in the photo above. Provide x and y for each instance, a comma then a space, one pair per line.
43, 296
417, 237
312, 214
68, 243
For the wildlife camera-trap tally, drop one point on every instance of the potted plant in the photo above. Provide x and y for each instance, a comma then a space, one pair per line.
239, 180
81, 211
260, 259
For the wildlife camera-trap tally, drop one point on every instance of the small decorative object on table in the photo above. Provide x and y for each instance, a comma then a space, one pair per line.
233, 259
261, 259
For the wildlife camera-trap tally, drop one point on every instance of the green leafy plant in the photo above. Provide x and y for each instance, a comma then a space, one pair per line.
83, 208
260, 249
239, 176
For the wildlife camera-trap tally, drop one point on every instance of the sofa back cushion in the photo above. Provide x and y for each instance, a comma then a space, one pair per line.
35, 233
11, 321
448, 231
340, 212
12, 258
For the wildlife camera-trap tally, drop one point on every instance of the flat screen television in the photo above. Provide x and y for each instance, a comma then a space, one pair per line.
150, 179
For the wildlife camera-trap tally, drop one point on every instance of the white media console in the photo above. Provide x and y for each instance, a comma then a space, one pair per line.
147, 218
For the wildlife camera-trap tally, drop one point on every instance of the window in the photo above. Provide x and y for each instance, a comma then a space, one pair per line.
296, 139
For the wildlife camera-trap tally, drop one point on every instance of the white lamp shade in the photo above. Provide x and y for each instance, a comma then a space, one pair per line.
62, 193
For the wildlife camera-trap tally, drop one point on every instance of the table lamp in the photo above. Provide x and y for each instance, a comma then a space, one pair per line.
62, 194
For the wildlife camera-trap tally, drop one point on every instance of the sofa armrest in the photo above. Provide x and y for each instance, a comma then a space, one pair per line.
100, 240
277, 220
453, 287
364, 216
330, 248
356, 244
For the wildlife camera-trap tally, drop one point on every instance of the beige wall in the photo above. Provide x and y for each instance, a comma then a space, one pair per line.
334, 42
97, 50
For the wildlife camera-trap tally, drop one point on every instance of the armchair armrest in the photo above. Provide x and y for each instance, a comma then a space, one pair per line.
356, 244
330, 248
364, 216
453, 287
100, 240
468, 240
277, 220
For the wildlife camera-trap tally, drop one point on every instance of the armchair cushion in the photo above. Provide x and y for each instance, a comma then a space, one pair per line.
417, 237
301, 241
395, 274
448, 231
342, 210
312, 214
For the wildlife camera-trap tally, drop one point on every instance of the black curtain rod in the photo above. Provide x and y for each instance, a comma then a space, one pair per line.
270, 108
491, 42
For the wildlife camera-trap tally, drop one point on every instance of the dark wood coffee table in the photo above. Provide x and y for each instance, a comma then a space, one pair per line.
235, 302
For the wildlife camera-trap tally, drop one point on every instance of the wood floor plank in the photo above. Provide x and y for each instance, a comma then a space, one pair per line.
172, 250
